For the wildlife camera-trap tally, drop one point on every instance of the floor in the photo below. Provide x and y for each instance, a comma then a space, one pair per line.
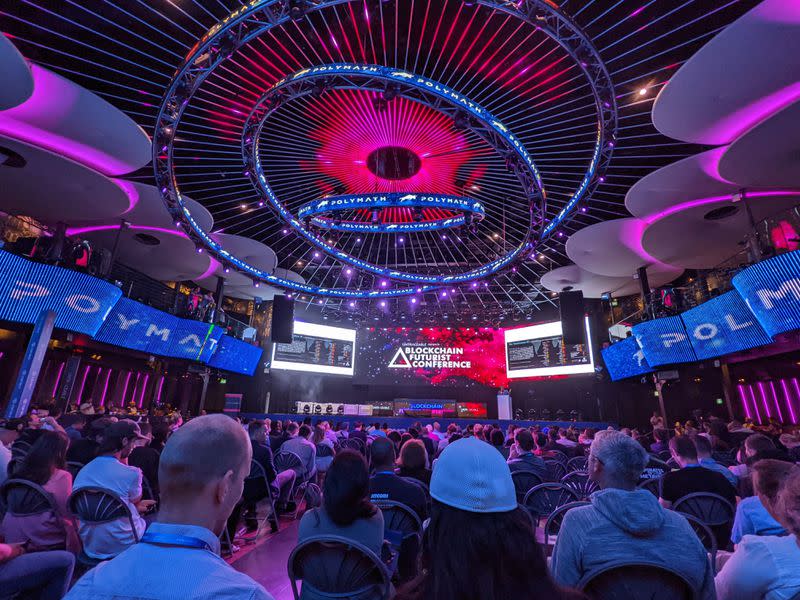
266, 560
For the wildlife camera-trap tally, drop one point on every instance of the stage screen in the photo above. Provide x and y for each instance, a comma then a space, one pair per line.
317, 349
539, 350
440, 356
424, 409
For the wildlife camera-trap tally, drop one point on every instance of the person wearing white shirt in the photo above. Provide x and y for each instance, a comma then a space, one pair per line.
768, 567
201, 473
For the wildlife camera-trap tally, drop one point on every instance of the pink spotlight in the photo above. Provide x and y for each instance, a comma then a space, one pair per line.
105, 388
764, 399
83, 382
788, 400
796, 389
58, 379
144, 388
775, 399
160, 388
755, 405
125, 389
743, 397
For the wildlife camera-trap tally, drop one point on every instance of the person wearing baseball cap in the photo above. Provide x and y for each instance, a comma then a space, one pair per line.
479, 544
110, 471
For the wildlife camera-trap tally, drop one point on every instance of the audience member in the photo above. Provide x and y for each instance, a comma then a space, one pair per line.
300, 444
691, 478
624, 523
522, 457
479, 545
40, 575
359, 433
8, 435
282, 482
768, 566
84, 451
498, 440
703, 446
661, 443
109, 471
73, 426
346, 510
319, 438
277, 436
752, 517
386, 485
413, 462
52, 530
202, 473
146, 458
757, 446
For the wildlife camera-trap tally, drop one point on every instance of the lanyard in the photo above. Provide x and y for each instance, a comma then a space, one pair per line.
168, 539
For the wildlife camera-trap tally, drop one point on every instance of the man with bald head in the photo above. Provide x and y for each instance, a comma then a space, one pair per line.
201, 474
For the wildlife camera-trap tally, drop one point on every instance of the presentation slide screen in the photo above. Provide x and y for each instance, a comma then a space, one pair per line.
438, 356
539, 351
317, 349
424, 409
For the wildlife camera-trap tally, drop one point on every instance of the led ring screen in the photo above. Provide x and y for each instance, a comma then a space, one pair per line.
419, 89
258, 17
323, 213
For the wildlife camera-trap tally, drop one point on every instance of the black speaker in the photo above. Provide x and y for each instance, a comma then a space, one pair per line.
572, 317
282, 326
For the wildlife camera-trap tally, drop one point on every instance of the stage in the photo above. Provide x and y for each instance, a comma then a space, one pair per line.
406, 422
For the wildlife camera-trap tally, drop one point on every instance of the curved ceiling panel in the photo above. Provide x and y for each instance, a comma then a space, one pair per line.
70, 120
148, 208
614, 249
743, 75
263, 292
768, 154
592, 286
238, 285
682, 181
69, 192
17, 78
702, 237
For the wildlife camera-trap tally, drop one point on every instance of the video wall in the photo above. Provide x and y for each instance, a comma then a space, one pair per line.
317, 349
539, 350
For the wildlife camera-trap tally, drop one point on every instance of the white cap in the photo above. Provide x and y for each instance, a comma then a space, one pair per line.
472, 475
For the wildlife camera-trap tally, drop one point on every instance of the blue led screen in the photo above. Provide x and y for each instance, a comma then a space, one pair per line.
236, 356
139, 327
722, 326
625, 359
772, 290
81, 302
664, 341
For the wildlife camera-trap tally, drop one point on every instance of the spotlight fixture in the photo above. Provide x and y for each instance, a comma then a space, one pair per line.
297, 10
460, 121
380, 104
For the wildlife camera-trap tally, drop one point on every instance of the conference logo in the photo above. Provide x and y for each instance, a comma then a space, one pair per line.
425, 356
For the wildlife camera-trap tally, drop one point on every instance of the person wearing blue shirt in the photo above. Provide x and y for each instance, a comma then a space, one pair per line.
753, 519
704, 459
202, 472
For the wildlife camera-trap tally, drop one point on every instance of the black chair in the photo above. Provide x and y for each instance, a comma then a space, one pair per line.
354, 444
555, 469
147, 489
712, 510
560, 457
258, 477
403, 530
95, 506
579, 463
74, 468
543, 499
324, 451
580, 483
285, 461
706, 537
336, 567
651, 485
726, 459
621, 581
554, 519
664, 456
523, 481
23, 498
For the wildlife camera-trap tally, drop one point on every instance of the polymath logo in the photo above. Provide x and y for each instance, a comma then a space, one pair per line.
400, 360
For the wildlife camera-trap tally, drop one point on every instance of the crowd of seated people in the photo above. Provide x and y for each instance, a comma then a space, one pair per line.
183, 485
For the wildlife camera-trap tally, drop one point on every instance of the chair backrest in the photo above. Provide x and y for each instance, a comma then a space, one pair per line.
706, 537
95, 506
711, 509
726, 459
665, 456
652, 485
579, 463
284, 461
398, 517
618, 581
354, 444
336, 567
554, 519
579, 481
418, 483
524, 481
324, 451
23, 498
147, 489
74, 468
546, 497
555, 469
560, 457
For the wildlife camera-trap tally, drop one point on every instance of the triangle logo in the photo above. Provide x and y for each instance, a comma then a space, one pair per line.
400, 360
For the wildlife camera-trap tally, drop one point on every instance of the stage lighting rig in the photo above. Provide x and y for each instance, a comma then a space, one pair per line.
297, 9
461, 121
380, 104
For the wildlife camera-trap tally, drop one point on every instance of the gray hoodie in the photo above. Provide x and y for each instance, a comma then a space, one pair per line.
629, 526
